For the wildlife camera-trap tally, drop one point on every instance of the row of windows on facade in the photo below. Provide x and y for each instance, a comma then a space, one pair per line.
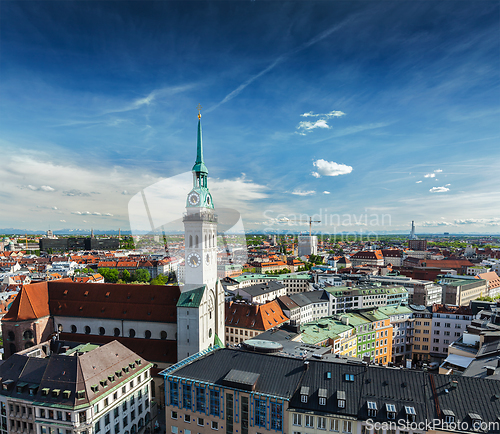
116, 332
209, 241
27, 335
322, 423
199, 404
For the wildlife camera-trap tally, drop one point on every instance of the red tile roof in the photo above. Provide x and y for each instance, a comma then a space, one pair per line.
112, 301
32, 302
256, 317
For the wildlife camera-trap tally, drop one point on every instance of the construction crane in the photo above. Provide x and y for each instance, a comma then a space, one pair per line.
311, 221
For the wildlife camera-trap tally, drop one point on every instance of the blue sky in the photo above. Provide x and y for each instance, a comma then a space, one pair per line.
367, 114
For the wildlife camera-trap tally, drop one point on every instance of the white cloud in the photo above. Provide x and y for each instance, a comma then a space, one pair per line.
298, 192
64, 221
330, 168
439, 189
438, 171
32, 187
47, 188
430, 175
96, 213
54, 207
108, 214
434, 223
332, 114
326, 192
418, 182
308, 126
125, 192
447, 185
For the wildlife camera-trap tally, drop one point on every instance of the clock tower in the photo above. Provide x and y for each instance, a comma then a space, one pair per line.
200, 310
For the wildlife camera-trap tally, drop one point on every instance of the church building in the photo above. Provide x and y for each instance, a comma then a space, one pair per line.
162, 324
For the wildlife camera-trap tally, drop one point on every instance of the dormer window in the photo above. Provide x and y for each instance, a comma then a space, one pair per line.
341, 398
322, 396
410, 414
476, 421
449, 416
304, 393
391, 411
372, 408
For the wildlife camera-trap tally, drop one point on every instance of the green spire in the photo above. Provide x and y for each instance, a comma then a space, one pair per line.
199, 165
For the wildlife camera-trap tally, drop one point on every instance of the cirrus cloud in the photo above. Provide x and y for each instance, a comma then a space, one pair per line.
298, 192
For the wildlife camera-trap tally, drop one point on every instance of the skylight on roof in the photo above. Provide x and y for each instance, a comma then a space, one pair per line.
410, 410
372, 405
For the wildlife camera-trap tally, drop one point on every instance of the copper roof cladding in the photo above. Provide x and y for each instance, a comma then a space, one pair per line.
150, 303
32, 302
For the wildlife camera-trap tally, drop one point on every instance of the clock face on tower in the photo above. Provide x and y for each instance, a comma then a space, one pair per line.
194, 198
194, 260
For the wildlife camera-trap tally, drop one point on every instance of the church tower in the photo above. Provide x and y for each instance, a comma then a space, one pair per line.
200, 310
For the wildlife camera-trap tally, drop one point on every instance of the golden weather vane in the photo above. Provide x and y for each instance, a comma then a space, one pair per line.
199, 111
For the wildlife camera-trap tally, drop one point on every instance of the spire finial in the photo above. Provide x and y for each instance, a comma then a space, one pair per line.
199, 110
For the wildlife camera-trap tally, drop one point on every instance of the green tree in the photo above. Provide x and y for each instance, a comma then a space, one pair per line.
126, 276
142, 275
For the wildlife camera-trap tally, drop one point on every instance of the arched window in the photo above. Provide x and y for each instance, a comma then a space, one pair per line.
213, 240
116, 331
141, 423
102, 331
196, 241
12, 336
87, 330
210, 333
28, 334
28, 344
133, 430
131, 333
147, 334
148, 417
60, 328
73, 329
12, 348
190, 241
206, 241
163, 335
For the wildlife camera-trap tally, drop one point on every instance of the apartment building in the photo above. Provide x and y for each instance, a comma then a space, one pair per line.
64, 388
448, 325
399, 317
420, 292
422, 333
245, 321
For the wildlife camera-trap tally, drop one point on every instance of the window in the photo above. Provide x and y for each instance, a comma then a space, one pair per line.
276, 416
174, 430
106, 419
200, 399
297, 419
321, 422
347, 426
214, 403
391, 411
303, 398
372, 408
174, 393
116, 332
215, 425
201, 421
260, 412
173, 415
341, 403
322, 401
309, 421
87, 330
186, 396
334, 425
187, 418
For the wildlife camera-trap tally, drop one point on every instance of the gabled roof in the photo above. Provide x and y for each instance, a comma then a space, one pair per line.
256, 317
32, 302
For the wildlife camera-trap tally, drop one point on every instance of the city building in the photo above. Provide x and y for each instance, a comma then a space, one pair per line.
417, 245
422, 333
308, 245
260, 389
245, 321
367, 257
400, 318
65, 388
420, 292
459, 291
